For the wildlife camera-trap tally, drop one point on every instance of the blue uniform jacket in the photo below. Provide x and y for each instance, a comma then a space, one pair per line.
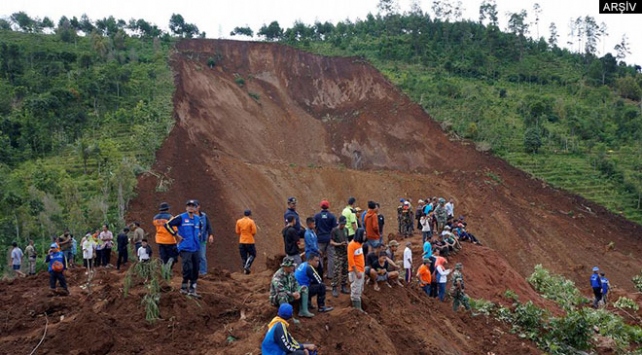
53, 257
278, 340
605, 285
305, 275
188, 228
311, 243
595, 281
325, 222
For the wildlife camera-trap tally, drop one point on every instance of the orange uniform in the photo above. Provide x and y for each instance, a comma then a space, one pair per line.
162, 235
371, 222
356, 259
246, 229
424, 275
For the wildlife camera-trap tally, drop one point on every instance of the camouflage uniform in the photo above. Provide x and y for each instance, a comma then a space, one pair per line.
441, 215
459, 297
340, 276
282, 287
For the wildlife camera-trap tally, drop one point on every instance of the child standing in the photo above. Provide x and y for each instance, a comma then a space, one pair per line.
16, 259
57, 265
407, 262
144, 252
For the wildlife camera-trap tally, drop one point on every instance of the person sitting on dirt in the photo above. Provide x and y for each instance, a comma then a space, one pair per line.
284, 288
122, 240
393, 246
441, 214
460, 231
379, 272
596, 285
188, 230
450, 240
458, 287
144, 253
372, 255
291, 240
246, 230
57, 266
167, 249
311, 284
278, 340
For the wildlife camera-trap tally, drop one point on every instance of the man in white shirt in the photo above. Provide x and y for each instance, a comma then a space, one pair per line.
450, 208
407, 261
144, 252
88, 245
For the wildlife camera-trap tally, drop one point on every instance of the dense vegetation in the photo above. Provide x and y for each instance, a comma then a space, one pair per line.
569, 117
83, 108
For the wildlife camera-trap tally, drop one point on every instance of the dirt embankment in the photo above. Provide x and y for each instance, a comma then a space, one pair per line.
267, 122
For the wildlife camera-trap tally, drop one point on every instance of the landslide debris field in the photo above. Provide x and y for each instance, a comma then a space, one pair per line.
259, 122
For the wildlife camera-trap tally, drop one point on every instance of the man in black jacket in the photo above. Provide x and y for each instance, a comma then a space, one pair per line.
123, 241
291, 239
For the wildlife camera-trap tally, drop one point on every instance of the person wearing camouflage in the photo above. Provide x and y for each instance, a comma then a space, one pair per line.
441, 214
339, 241
284, 288
457, 290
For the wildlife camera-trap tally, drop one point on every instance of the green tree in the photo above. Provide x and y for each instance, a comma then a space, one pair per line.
23, 21
245, 31
179, 27
271, 32
488, 11
552, 39
622, 48
532, 140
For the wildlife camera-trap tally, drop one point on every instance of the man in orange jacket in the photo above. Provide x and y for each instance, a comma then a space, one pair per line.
425, 276
356, 268
371, 224
166, 242
246, 230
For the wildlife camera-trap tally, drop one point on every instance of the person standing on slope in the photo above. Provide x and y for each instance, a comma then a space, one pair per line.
596, 285
246, 230
351, 218
291, 240
205, 237
166, 241
459, 296
605, 288
325, 221
291, 211
356, 268
339, 242
188, 231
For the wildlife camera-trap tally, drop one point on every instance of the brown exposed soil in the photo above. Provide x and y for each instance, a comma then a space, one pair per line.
268, 122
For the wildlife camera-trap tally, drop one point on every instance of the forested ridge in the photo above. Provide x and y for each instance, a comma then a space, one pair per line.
84, 106
568, 116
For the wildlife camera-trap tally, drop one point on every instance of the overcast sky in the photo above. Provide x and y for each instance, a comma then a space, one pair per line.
218, 18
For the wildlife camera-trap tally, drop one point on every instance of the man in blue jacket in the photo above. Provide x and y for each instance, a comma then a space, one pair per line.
57, 265
596, 284
278, 340
605, 287
188, 232
205, 237
325, 221
307, 276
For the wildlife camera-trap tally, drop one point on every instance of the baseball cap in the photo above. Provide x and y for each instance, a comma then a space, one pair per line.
285, 311
53, 246
191, 202
595, 268
447, 227
291, 199
393, 243
324, 204
342, 220
164, 206
288, 261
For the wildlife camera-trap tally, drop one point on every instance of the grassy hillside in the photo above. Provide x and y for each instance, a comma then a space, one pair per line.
571, 119
80, 116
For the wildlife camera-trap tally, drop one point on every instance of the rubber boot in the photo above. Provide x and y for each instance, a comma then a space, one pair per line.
304, 312
357, 306
335, 292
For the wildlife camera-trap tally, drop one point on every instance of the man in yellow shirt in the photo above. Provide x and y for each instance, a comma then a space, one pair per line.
351, 218
246, 229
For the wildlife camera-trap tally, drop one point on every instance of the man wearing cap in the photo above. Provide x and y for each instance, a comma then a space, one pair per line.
457, 290
57, 265
205, 237
596, 285
246, 230
291, 211
188, 231
351, 218
284, 288
339, 242
278, 340
325, 221
165, 240
441, 214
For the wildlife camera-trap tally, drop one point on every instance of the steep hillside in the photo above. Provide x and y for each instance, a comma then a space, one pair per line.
266, 122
